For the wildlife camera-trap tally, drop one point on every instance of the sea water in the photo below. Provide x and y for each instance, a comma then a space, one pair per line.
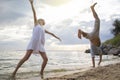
57, 60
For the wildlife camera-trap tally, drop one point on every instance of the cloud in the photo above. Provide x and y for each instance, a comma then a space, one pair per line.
12, 45
55, 2
63, 19
11, 10
67, 32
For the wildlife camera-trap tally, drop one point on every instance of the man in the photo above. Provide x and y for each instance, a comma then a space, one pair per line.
93, 37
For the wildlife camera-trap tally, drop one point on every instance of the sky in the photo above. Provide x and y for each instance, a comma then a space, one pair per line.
63, 18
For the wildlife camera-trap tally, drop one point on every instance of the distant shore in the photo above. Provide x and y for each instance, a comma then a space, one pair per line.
109, 72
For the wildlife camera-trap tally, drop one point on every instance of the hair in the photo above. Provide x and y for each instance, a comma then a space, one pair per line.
42, 20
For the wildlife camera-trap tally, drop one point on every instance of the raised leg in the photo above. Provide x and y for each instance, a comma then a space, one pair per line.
45, 60
94, 12
82, 33
25, 58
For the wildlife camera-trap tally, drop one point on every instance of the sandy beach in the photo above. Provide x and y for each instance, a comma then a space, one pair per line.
108, 72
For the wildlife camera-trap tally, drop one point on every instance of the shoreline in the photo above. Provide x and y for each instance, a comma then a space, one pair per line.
61, 72
108, 72
104, 72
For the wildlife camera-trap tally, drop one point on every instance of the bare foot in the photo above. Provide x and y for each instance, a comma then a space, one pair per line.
13, 75
31, 1
93, 66
93, 5
41, 75
79, 33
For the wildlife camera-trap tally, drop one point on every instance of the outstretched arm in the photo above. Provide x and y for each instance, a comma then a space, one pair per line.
52, 34
34, 13
94, 12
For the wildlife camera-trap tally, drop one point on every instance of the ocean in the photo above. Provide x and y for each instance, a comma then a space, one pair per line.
58, 61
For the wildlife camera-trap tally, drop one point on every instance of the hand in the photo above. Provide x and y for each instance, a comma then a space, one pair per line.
31, 1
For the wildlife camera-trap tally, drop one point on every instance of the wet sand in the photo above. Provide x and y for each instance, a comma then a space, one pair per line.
108, 72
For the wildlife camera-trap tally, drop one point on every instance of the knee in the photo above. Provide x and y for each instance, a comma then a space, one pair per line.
46, 60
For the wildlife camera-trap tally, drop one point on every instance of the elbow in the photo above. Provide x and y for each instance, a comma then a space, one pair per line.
52, 34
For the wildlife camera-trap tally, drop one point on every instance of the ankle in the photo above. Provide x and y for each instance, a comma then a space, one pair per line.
41, 72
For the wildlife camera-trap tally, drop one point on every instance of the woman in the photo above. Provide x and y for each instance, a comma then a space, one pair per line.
37, 42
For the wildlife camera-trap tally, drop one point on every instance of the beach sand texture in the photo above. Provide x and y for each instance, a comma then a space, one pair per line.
109, 72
